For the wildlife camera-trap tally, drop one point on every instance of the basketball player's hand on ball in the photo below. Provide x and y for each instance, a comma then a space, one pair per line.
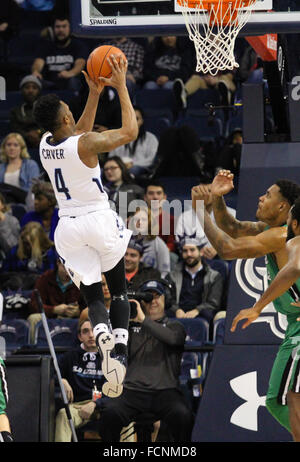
119, 70
222, 183
249, 313
93, 86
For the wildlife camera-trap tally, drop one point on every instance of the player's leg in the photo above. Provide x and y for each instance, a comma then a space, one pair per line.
5, 431
280, 382
112, 369
293, 400
119, 307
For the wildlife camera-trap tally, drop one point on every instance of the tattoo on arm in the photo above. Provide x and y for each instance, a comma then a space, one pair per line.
230, 225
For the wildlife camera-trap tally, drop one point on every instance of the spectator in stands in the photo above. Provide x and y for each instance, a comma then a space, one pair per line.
9, 22
32, 256
188, 224
145, 229
155, 196
223, 82
21, 117
135, 270
152, 380
59, 63
230, 156
199, 288
45, 210
138, 155
118, 180
9, 228
60, 296
108, 115
16, 168
135, 57
82, 379
167, 59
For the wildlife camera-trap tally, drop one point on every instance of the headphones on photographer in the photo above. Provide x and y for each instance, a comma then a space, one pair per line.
169, 290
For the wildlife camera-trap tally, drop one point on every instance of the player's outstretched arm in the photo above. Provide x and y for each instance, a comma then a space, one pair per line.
94, 143
222, 185
228, 248
286, 277
87, 119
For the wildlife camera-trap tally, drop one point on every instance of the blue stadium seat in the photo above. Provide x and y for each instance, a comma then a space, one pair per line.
4, 128
18, 210
218, 331
63, 333
179, 187
192, 375
15, 332
201, 97
197, 331
156, 124
22, 48
155, 99
207, 130
13, 98
221, 266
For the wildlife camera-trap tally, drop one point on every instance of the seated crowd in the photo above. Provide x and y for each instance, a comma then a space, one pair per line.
168, 254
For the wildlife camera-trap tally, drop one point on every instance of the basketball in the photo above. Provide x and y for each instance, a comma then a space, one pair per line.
97, 64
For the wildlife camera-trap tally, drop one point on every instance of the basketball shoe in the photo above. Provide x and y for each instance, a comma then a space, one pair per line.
113, 367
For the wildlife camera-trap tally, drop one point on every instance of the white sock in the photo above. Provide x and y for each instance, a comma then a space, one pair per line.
99, 328
121, 336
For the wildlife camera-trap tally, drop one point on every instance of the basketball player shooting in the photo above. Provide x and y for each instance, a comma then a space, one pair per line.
90, 237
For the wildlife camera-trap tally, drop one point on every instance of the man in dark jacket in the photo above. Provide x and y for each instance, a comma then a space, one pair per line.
152, 380
82, 379
21, 117
199, 288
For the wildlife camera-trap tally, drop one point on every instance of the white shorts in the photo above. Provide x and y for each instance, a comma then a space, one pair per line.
91, 244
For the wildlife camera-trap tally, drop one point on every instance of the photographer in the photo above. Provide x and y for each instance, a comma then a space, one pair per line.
152, 381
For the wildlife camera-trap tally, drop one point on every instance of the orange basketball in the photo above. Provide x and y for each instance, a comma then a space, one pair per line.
97, 64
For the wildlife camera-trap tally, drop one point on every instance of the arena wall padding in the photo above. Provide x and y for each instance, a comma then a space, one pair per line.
31, 404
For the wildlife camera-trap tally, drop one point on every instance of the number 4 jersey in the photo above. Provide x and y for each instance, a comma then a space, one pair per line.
78, 188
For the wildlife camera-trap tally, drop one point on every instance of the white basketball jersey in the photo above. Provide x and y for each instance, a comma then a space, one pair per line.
78, 188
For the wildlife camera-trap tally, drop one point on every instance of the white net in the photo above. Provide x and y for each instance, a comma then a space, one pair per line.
214, 38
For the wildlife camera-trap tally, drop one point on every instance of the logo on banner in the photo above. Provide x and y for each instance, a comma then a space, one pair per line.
246, 415
253, 280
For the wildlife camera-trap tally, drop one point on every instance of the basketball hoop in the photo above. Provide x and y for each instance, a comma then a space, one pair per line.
213, 26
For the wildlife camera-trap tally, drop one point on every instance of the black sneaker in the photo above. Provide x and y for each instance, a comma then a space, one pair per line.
179, 93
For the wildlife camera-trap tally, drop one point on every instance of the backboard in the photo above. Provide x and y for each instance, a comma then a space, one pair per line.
134, 18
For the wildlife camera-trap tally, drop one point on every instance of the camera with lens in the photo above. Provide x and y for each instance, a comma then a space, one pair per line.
139, 296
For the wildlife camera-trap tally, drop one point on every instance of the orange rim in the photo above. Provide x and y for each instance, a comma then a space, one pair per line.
221, 8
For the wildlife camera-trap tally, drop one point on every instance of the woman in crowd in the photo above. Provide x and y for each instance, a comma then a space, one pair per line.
16, 167
9, 228
32, 256
118, 180
138, 155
